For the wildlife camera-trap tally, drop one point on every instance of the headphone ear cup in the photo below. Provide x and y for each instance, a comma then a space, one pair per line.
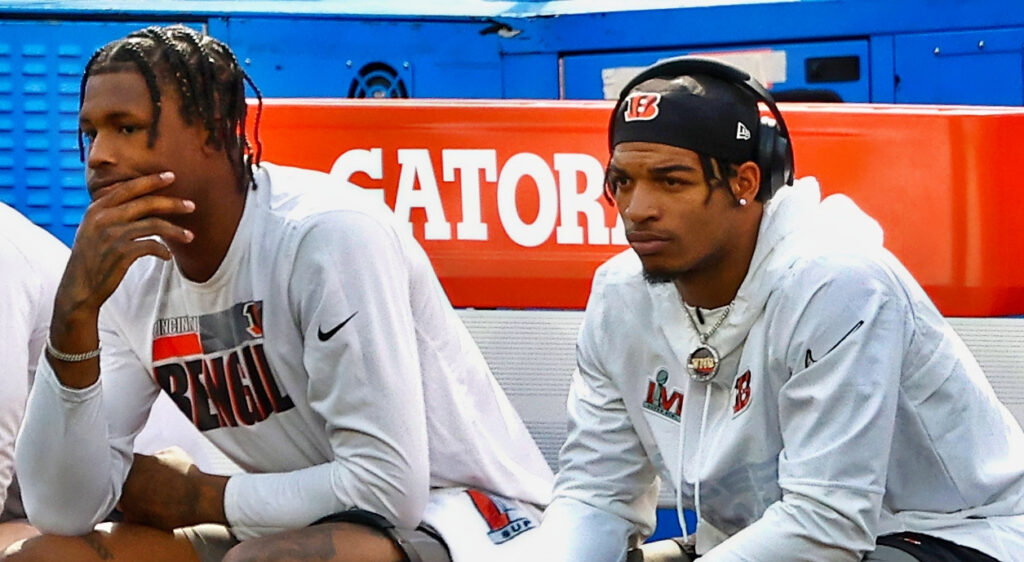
773, 157
767, 143
782, 163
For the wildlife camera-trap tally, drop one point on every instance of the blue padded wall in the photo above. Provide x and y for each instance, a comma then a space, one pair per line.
40, 68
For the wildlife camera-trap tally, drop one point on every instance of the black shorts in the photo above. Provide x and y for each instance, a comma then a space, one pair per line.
927, 548
422, 544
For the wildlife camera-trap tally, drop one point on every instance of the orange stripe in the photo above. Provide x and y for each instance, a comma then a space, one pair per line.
182, 345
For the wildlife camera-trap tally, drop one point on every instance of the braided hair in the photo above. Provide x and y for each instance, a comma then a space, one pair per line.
209, 82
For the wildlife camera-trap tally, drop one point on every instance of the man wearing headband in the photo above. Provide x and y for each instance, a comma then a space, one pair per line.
758, 351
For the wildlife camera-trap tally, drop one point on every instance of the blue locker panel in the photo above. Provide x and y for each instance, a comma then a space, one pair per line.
883, 83
583, 73
970, 67
41, 66
338, 56
530, 76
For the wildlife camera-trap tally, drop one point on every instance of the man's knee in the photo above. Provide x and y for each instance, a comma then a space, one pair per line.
28, 550
242, 552
14, 553
108, 542
41, 549
337, 542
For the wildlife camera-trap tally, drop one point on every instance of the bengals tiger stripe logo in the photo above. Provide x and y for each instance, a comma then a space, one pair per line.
642, 107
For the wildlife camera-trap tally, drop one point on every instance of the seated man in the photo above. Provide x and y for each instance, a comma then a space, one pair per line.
32, 261
295, 323
758, 350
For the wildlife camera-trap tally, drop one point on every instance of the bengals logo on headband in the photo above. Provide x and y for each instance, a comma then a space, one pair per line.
642, 107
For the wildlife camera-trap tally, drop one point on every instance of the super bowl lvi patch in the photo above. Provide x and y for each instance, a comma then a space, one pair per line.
481, 525
505, 520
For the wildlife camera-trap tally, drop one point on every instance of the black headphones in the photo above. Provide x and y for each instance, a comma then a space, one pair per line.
774, 150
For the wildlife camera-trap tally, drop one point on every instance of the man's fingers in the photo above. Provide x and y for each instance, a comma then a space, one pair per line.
144, 247
151, 205
120, 226
100, 258
154, 226
117, 193
130, 253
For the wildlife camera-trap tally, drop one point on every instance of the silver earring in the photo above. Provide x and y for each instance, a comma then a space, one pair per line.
743, 202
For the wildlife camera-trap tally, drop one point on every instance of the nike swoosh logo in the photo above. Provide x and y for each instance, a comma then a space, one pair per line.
324, 336
810, 360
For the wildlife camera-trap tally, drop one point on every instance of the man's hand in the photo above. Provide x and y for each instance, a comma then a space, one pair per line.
118, 228
168, 491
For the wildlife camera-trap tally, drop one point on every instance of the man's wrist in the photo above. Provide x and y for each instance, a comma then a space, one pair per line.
74, 329
73, 344
211, 498
72, 357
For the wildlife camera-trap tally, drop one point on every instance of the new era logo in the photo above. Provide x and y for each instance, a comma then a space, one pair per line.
742, 132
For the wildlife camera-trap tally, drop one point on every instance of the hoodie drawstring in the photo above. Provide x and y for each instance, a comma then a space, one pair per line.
700, 455
679, 485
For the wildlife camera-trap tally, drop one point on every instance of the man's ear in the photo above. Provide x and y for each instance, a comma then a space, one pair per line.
214, 142
208, 147
746, 182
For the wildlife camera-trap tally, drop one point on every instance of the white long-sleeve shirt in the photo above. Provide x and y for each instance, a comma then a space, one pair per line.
845, 408
322, 357
32, 262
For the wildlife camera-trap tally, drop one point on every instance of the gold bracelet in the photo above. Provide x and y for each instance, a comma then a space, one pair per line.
71, 357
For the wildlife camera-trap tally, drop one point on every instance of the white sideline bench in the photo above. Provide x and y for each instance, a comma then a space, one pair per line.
532, 354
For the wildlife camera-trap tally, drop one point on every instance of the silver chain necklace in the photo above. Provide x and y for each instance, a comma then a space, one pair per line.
702, 364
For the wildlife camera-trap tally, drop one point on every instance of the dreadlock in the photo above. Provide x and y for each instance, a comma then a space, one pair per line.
209, 81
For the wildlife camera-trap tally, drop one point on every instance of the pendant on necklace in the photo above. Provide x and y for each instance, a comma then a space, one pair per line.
702, 364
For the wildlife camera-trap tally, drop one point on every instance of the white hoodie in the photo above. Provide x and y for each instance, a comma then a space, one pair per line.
845, 408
